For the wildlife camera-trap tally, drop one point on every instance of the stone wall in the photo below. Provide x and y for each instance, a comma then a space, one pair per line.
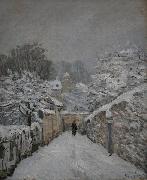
69, 117
52, 126
129, 133
97, 129
54, 123
19, 142
16, 143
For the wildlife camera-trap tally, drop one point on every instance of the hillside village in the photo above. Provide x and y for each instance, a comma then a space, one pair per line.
110, 110
17, 90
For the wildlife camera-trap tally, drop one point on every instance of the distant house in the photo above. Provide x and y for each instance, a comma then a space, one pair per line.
56, 87
54, 104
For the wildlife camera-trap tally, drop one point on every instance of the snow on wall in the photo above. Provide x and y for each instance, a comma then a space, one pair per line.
16, 143
125, 96
129, 126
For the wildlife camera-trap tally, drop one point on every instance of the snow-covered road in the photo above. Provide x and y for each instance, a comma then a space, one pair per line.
74, 158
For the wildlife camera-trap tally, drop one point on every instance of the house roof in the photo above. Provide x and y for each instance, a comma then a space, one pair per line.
55, 101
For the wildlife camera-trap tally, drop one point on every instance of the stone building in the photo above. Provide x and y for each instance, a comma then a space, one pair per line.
52, 122
67, 83
56, 87
69, 117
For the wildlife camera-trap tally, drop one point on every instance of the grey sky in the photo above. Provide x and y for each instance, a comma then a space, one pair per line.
71, 29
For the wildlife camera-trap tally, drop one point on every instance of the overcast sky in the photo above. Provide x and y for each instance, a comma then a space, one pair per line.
72, 29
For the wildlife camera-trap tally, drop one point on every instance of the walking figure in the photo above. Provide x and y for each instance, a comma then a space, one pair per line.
74, 128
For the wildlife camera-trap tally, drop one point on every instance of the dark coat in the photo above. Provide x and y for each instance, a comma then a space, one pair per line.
74, 127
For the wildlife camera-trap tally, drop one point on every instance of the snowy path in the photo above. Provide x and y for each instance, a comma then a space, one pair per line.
74, 158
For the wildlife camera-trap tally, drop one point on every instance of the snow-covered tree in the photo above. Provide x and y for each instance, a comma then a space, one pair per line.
116, 73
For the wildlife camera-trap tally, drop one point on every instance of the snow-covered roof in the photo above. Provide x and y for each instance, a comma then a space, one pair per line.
55, 101
48, 111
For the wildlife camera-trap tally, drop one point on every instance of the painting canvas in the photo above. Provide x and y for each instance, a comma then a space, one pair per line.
73, 89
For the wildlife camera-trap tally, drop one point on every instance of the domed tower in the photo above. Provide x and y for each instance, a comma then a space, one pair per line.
67, 84
66, 76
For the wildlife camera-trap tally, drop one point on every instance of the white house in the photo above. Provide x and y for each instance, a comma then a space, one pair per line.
56, 85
